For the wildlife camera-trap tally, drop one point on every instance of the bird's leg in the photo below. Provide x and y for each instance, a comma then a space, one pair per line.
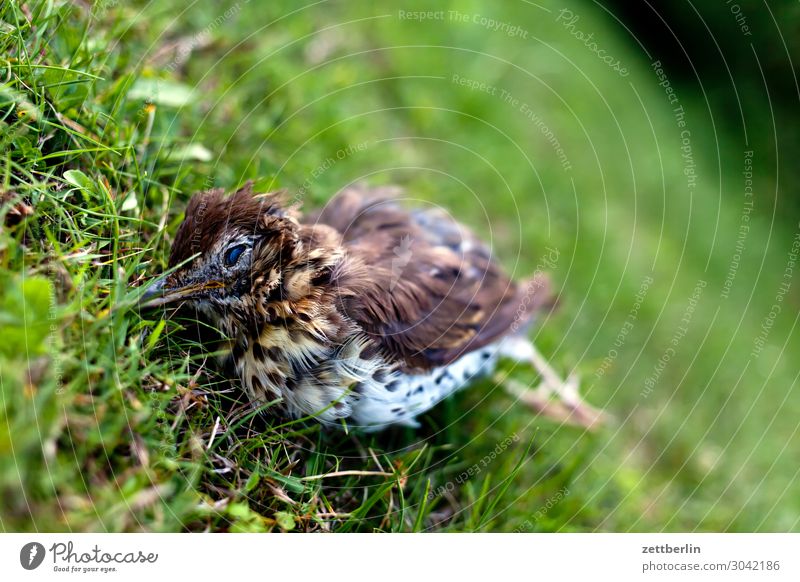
567, 406
552, 383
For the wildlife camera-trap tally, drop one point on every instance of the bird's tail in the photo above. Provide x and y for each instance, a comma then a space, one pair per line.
535, 296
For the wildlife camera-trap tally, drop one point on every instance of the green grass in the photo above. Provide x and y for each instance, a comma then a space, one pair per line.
112, 421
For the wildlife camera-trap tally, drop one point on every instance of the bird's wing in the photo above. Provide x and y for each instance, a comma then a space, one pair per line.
423, 286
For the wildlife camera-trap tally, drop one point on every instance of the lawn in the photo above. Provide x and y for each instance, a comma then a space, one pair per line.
677, 300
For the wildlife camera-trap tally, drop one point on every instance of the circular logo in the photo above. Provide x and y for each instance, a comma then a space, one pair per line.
31, 555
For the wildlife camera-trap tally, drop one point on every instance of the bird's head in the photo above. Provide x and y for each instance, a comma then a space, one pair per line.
236, 255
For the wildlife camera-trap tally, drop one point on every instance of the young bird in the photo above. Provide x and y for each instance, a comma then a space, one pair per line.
365, 312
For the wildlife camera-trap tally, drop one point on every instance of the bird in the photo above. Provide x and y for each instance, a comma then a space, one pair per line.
363, 314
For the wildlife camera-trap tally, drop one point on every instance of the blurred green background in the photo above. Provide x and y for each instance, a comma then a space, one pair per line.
667, 192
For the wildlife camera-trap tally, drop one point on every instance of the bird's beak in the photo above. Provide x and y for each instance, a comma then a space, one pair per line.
160, 293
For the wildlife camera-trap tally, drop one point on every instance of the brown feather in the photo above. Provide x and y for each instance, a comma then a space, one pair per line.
450, 298
211, 213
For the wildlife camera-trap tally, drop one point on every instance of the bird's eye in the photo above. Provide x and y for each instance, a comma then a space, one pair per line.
232, 255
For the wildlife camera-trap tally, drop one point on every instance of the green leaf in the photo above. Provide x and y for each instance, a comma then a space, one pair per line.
285, 520
239, 510
422, 508
292, 484
160, 92
68, 88
25, 317
155, 334
79, 180
130, 203
193, 151
252, 481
